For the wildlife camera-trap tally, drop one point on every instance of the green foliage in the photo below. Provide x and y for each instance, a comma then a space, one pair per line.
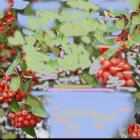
120, 24
14, 106
136, 19
12, 67
25, 87
15, 83
30, 131
4, 64
28, 10
83, 5
136, 37
35, 60
123, 12
5, 53
110, 51
37, 107
134, 4
77, 57
8, 136
89, 79
1, 14
17, 39
2, 112
1, 72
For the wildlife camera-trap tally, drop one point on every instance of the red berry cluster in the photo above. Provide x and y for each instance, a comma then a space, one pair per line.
20, 95
134, 130
6, 94
11, 3
1, 26
10, 31
115, 67
23, 119
9, 18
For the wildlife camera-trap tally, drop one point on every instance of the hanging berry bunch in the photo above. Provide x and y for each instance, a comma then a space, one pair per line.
16, 81
23, 119
115, 67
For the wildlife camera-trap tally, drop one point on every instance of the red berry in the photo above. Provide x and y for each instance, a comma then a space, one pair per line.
18, 125
28, 117
102, 59
32, 122
126, 67
26, 122
121, 64
106, 65
13, 123
114, 61
20, 119
10, 100
9, 13
19, 113
23, 94
5, 96
38, 119
114, 70
11, 116
100, 80
130, 83
99, 73
127, 75
22, 74
28, 71
120, 75
106, 74
24, 112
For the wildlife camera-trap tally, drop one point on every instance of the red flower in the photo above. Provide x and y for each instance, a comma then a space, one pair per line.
134, 130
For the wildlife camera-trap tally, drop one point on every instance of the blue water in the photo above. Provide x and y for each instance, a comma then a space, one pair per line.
103, 102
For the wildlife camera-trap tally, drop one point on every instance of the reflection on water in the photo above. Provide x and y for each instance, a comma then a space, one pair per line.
87, 114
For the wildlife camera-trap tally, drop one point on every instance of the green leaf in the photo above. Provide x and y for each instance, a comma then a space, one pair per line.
25, 86
120, 23
37, 107
35, 59
111, 52
1, 15
112, 29
14, 105
136, 19
12, 67
134, 4
28, 107
23, 66
17, 39
86, 39
89, 79
99, 36
117, 12
83, 5
136, 37
30, 131
137, 82
1, 73
15, 83
137, 95
30, 40
33, 23
28, 10
38, 35
132, 27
